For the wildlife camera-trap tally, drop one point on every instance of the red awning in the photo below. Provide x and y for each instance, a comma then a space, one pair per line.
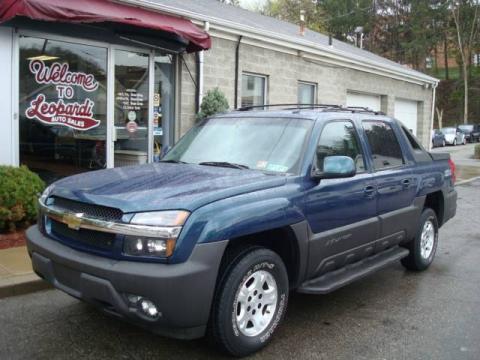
96, 11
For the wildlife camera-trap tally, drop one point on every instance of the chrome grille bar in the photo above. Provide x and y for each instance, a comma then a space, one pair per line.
78, 221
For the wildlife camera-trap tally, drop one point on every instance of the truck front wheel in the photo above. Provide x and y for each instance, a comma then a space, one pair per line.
250, 302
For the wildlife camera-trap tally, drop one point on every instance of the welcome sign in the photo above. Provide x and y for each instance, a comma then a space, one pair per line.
75, 115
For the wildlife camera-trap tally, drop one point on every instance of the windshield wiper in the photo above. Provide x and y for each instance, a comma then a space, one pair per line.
173, 161
224, 164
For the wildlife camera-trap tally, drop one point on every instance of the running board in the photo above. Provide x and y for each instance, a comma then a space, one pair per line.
335, 279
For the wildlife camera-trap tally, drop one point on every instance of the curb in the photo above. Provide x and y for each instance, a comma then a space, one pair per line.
22, 284
463, 182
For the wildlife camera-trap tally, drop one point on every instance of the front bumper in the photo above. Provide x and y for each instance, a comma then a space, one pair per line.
182, 292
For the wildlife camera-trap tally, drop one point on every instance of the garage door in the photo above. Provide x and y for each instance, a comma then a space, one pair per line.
406, 112
364, 100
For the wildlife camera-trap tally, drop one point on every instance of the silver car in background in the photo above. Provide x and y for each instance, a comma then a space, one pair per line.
453, 136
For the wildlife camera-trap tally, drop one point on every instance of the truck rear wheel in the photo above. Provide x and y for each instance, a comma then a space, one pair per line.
423, 247
250, 302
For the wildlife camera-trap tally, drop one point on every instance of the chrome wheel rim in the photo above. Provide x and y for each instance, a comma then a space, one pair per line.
255, 303
427, 239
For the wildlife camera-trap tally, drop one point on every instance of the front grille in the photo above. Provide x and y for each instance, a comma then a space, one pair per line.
89, 210
89, 238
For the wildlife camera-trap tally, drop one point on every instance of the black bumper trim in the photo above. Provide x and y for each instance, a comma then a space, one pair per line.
182, 292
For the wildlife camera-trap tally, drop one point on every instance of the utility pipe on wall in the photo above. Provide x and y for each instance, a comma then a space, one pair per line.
200, 72
237, 66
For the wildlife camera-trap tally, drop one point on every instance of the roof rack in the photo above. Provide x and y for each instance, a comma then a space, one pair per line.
324, 107
288, 106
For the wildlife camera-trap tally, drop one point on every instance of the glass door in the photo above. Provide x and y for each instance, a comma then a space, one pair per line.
131, 108
163, 103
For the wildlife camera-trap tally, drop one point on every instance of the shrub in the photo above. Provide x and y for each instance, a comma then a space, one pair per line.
19, 191
213, 102
477, 151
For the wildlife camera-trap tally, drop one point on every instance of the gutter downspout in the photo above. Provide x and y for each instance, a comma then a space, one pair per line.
237, 66
200, 72
433, 116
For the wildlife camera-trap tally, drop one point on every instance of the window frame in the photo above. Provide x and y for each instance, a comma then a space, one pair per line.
359, 143
265, 87
308, 83
367, 143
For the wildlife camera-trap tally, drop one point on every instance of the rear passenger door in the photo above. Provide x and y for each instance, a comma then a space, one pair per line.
394, 181
341, 212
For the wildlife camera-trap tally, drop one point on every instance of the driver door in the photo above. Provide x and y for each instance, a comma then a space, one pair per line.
341, 212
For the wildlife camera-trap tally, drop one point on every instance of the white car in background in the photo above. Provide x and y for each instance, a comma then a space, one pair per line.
453, 136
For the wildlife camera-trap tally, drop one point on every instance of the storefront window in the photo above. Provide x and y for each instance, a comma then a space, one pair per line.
63, 107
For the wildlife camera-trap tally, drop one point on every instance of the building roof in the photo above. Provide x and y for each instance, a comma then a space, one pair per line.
239, 19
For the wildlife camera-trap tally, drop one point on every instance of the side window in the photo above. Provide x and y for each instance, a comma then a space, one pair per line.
340, 138
411, 139
386, 151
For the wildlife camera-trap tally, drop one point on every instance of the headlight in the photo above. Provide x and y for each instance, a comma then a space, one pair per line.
155, 247
144, 246
161, 218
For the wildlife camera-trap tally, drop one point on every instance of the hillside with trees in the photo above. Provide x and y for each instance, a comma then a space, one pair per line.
438, 37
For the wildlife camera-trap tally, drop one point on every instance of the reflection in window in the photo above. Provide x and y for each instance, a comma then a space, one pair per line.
384, 145
339, 138
63, 107
253, 90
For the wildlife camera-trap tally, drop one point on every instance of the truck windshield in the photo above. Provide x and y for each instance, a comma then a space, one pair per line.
267, 144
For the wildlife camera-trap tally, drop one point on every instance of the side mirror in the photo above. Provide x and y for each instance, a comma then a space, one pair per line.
336, 167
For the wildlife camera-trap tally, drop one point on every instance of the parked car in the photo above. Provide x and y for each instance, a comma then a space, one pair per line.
247, 207
471, 131
453, 136
438, 138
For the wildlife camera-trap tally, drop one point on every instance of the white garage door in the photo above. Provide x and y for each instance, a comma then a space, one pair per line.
372, 102
406, 112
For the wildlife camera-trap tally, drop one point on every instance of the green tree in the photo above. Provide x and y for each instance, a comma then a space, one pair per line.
213, 102
342, 17
289, 10
466, 19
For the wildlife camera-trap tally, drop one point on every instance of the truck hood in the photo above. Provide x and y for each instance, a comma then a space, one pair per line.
162, 186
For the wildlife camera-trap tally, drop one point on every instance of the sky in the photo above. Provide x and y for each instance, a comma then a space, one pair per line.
251, 4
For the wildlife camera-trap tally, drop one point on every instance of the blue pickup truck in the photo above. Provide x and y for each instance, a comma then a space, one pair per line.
245, 208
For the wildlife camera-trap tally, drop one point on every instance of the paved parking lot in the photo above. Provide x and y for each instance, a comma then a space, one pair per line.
394, 314
462, 155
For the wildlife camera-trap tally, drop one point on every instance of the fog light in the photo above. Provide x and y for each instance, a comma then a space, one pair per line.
148, 308
144, 305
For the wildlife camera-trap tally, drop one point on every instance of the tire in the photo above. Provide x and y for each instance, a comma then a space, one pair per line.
421, 255
237, 297
444, 143
464, 141
455, 142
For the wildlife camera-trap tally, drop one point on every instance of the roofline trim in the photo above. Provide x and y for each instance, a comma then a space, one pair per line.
286, 41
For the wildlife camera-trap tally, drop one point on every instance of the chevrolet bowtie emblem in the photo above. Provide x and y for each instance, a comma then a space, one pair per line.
73, 221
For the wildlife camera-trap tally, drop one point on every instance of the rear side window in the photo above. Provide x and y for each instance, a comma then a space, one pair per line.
340, 138
411, 139
386, 151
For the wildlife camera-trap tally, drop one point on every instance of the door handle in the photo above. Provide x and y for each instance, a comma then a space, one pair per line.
369, 190
406, 182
